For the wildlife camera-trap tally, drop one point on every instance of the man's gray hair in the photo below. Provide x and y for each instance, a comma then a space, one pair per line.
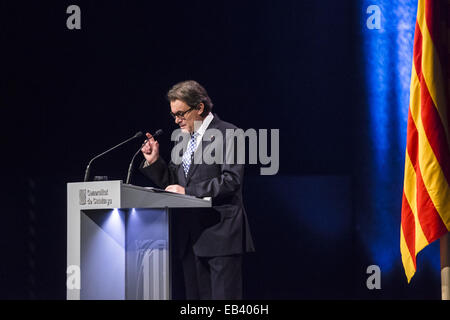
191, 93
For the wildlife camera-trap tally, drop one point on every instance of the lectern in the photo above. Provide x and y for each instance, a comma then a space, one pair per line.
118, 240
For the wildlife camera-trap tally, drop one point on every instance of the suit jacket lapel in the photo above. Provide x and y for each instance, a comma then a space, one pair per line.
181, 177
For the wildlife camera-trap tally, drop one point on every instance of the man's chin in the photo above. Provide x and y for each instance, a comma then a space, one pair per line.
184, 129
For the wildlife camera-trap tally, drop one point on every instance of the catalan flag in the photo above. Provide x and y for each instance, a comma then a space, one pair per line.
426, 189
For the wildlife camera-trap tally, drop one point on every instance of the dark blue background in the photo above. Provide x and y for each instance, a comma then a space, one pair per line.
291, 65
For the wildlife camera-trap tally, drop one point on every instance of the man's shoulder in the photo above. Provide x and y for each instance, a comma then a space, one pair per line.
221, 124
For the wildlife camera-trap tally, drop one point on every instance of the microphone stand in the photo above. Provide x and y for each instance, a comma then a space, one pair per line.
130, 167
88, 168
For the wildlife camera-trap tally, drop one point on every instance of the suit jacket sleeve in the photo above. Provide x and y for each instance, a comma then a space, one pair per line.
160, 173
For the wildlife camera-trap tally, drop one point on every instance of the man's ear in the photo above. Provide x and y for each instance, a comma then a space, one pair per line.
200, 108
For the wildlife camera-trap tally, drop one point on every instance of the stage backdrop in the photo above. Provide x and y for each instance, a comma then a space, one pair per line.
332, 76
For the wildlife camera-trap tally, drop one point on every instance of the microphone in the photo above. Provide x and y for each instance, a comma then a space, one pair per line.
130, 168
88, 168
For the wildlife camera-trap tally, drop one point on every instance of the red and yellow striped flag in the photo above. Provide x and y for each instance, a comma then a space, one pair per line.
426, 189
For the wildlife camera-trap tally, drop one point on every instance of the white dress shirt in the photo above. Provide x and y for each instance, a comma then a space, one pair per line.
201, 130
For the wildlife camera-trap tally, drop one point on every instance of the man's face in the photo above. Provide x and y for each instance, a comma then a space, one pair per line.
186, 122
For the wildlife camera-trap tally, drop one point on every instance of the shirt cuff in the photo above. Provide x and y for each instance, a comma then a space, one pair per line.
146, 164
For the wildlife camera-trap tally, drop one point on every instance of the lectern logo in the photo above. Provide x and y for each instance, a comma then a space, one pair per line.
82, 197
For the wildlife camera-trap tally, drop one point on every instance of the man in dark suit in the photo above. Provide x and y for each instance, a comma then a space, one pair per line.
210, 242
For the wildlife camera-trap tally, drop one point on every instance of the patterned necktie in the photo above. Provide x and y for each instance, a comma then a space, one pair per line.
187, 157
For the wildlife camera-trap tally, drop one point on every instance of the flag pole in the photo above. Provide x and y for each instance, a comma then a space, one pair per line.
445, 266
445, 240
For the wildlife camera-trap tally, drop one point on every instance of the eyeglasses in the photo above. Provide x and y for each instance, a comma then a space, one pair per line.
180, 114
